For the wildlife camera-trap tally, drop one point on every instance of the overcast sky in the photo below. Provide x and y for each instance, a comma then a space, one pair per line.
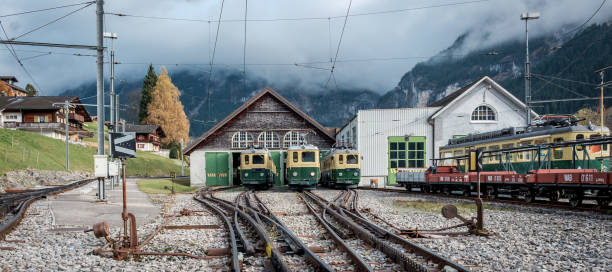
415, 34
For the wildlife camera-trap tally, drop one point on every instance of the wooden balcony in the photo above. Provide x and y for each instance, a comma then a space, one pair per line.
76, 117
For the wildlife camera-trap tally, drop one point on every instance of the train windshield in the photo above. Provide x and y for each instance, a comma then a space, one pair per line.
258, 159
351, 159
308, 156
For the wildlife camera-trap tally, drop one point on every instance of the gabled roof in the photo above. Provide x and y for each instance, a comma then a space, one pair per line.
452, 98
449, 98
267, 90
145, 129
17, 103
7, 78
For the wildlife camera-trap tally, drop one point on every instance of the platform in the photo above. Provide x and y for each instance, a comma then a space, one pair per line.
79, 207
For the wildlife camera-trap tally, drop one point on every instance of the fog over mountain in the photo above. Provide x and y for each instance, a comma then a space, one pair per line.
407, 31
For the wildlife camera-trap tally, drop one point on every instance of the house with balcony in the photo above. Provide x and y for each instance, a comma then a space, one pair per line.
148, 137
8, 87
43, 115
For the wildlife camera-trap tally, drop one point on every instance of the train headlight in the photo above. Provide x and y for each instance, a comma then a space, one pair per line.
246, 174
261, 174
355, 173
312, 174
340, 174
294, 174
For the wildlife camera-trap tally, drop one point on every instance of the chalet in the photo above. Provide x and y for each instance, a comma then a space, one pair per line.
268, 120
42, 114
8, 87
148, 137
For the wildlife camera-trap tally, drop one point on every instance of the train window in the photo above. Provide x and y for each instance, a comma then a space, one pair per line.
494, 155
526, 155
597, 136
246, 159
558, 152
340, 159
258, 159
510, 156
352, 159
295, 156
308, 156
579, 137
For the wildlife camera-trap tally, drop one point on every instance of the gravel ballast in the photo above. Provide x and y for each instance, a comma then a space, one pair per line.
526, 238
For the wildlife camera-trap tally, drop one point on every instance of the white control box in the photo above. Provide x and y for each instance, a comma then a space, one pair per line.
100, 166
113, 168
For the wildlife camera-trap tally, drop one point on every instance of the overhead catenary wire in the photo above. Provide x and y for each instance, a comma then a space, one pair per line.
12, 50
52, 21
587, 20
46, 9
333, 66
560, 86
246, 7
212, 59
565, 79
312, 18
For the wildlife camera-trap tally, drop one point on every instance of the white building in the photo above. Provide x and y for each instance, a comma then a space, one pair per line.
407, 139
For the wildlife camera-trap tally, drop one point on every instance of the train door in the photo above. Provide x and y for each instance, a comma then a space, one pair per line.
217, 169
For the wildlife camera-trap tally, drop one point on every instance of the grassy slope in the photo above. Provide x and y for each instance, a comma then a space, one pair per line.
158, 186
27, 147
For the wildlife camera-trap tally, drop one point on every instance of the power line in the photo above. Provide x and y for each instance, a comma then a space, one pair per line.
12, 50
565, 79
588, 20
562, 87
53, 21
212, 60
246, 6
46, 9
314, 18
331, 72
51, 52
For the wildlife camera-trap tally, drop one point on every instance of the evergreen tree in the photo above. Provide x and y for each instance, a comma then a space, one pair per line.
166, 110
148, 85
31, 90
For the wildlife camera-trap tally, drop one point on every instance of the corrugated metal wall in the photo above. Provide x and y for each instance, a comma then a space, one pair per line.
375, 126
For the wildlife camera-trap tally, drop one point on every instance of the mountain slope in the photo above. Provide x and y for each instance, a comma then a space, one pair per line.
574, 59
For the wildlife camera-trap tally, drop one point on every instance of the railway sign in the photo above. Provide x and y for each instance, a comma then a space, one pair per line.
123, 145
475, 161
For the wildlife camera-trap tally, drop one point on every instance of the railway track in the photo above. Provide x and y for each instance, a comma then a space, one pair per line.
407, 254
279, 244
13, 206
535, 203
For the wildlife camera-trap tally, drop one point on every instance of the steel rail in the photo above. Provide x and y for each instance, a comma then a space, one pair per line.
234, 248
361, 265
22, 201
394, 254
274, 221
271, 252
408, 245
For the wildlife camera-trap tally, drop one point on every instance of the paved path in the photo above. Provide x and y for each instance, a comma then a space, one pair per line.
80, 208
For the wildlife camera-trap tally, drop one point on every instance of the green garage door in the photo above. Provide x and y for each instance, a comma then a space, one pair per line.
217, 169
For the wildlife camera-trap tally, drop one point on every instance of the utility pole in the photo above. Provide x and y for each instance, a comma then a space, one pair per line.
117, 113
100, 73
526, 17
100, 88
602, 109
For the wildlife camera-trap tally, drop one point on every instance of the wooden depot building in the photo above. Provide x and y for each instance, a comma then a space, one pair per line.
266, 120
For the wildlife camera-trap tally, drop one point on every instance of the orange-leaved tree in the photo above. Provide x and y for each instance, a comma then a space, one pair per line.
166, 110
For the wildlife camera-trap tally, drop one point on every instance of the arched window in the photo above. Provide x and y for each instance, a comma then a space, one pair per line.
269, 139
483, 113
292, 138
241, 139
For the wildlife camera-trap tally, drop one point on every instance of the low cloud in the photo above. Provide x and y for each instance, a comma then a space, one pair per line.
416, 34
